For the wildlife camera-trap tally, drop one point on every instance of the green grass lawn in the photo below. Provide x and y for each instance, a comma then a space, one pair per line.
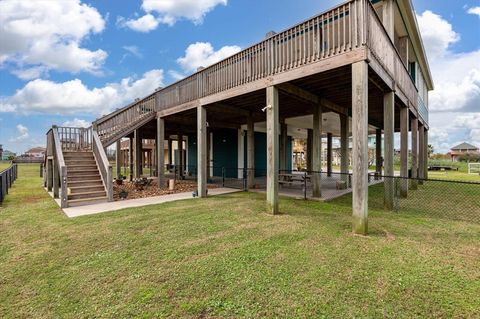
4, 165
224, 257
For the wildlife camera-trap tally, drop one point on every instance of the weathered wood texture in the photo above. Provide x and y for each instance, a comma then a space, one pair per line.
378, 151
250, 152
272, 149
161, 181
317, 151
329, 154
388, 149
202, 151
421, 153
404, 123
360, 147
414, 134
344, 156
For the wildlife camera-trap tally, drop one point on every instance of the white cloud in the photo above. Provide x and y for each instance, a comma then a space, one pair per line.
474, 10
77, 123
169, 12
202, 54
145, 23
437, 34
134, 50
175, 75
455, 102
22, 133
43, 96
38, 36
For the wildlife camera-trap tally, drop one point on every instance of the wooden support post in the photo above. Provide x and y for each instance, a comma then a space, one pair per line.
414, 126
161, 182
344, 156
130, 157
272, 149
378, 151
49, 174
317, 151
404, 119
329, 154
250, 152
138, 154
309, 149
241, 153
201, 151
56, 179
118, 161
360, 147
421, 153
425, 150
170, 151
283, 145
181, 164
388, 148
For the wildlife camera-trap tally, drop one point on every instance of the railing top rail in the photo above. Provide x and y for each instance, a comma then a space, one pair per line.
120, 110
103, 157
58, 147
278, 34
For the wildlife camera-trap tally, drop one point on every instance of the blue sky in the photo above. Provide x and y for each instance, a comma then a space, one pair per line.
67, 62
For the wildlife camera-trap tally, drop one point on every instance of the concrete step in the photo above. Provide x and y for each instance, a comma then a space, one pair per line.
87, 194
78, 178
86, 188
86, 182
87, 201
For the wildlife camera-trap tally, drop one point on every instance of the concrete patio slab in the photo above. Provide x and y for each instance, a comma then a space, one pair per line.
129, 203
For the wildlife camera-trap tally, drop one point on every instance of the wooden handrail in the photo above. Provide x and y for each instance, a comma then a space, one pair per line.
104, 165
62, 168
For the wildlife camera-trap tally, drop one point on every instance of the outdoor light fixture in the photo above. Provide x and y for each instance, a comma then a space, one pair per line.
267, 107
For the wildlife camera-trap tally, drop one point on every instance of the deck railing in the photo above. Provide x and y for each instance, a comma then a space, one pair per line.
75, 138
55, 162
339, 30
103, 165
345, 28
120, 120
388, 56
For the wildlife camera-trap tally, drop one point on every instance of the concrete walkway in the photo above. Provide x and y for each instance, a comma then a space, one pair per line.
129, 203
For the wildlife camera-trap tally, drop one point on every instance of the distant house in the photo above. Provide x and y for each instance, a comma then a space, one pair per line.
7, 155
37, 152
463, 149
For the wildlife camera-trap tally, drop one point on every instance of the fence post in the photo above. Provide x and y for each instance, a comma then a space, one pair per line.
1, 187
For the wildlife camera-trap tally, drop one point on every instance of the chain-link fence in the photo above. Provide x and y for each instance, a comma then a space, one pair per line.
459, 200
440, 198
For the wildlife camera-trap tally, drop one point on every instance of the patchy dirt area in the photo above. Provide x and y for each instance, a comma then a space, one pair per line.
151, 190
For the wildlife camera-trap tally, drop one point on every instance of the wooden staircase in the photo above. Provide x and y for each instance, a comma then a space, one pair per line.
84, 182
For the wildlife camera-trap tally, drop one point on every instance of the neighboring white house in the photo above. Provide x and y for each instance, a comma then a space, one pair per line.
36, 152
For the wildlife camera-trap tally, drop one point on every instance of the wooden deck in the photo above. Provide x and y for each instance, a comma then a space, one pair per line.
319, 49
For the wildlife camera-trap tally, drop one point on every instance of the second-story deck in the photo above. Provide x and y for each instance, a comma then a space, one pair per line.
343, 35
